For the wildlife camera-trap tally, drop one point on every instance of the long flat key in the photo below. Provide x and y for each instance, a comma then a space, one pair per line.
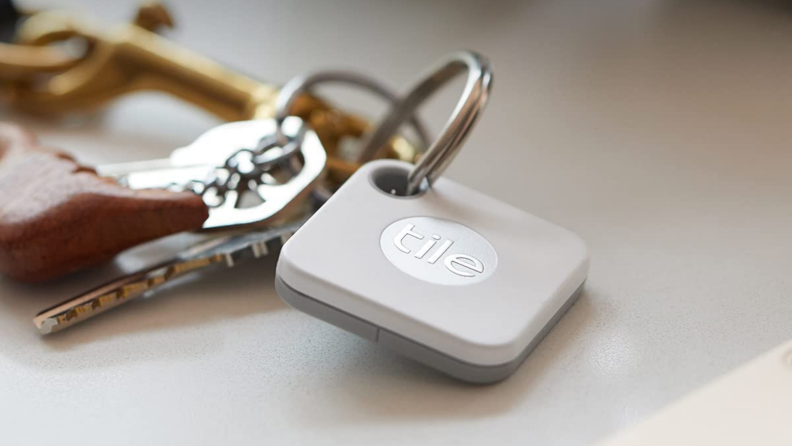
223, 251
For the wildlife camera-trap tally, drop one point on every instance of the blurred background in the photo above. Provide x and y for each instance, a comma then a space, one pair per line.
657, 130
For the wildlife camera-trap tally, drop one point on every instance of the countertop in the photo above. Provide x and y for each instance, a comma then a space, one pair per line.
657, 130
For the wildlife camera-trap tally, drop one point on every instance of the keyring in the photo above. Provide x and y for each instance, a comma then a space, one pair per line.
439, 155
303, 84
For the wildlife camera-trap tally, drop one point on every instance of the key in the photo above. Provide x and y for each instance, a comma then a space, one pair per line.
224, 251
276, 145
58, 216
427, 267
252, 172
234, 162
131, 57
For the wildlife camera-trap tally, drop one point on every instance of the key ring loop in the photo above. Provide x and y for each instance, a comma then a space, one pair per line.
303, 84
439, 155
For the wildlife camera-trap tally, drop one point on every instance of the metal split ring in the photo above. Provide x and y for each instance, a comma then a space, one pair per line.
439, 155
303, 84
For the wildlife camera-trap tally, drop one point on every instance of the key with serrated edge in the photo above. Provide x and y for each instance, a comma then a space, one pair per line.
221, 251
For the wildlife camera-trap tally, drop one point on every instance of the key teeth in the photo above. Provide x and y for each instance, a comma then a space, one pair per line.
108, 296
259, 249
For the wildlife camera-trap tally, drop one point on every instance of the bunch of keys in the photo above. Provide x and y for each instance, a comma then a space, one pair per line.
427, 267
259, 178
398, 255
50, 200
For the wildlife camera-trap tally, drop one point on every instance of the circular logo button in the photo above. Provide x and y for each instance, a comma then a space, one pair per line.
438, 251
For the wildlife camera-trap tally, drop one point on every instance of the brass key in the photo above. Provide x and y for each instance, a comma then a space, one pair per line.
128, 58
131, 57
39, 77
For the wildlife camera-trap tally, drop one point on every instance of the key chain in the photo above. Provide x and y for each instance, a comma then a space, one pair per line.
57, 217
427, 267
301, 85
228, 159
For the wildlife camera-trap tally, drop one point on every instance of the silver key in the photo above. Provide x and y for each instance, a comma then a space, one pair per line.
222, 251
239, 169
220, 165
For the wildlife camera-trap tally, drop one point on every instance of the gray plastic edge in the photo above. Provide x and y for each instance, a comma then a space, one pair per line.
462, 370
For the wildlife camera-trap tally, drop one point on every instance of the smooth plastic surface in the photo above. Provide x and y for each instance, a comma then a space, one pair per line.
463, 299
451, 366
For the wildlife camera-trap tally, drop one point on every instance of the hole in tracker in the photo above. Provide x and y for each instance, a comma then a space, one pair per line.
392, 180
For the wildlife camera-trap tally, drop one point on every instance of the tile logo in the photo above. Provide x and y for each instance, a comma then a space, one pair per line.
438, 251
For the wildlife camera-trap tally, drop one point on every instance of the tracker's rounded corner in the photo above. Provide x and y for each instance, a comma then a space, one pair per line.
286, 268
580, 251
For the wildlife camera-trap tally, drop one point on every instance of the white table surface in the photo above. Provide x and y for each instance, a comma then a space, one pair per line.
657, 130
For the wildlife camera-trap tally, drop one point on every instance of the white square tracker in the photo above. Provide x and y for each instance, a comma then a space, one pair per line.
450, 277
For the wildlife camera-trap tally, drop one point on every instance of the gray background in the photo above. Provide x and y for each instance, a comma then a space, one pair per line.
657, 130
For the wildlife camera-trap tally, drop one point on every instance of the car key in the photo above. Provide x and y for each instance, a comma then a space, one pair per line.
221, 251
428, 267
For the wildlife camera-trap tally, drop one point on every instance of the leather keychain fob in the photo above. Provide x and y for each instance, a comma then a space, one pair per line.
428, 267
57, 216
